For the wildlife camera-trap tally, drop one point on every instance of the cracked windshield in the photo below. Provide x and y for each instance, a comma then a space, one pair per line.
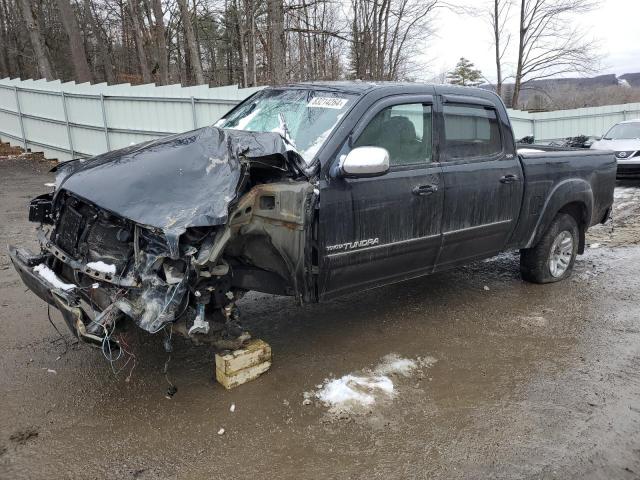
304, 118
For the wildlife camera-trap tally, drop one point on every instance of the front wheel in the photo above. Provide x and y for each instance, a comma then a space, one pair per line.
552, 259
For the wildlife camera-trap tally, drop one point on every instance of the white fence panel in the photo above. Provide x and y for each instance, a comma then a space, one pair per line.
69, 120
10, 126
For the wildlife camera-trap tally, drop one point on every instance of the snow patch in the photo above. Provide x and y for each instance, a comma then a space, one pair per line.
623, 193
353, 392
244, 122
50, 276
529, 150
393, 364
352, 389
102, 267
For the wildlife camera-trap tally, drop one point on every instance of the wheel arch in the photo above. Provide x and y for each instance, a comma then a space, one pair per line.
573, 197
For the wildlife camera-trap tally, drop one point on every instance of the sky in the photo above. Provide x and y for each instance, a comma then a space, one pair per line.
614, 23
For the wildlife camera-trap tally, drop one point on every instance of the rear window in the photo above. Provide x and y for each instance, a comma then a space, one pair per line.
471, 131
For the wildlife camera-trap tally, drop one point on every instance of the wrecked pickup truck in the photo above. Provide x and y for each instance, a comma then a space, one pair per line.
310, 190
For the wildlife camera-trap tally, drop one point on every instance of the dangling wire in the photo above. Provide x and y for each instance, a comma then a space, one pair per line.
66, 344
171, 391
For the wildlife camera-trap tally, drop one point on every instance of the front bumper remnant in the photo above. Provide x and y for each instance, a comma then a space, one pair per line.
64, 300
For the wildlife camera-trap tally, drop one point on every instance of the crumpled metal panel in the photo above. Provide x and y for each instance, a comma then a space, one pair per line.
177, 182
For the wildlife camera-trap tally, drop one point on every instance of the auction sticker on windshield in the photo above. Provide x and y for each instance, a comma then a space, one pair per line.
327, 102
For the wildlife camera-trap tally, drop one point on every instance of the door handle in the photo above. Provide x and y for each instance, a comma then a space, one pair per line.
510, 178
423, 190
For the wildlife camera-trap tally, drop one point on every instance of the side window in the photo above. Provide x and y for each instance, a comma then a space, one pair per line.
404, 130
471, 131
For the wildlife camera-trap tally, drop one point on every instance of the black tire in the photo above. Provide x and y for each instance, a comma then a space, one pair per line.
536, 263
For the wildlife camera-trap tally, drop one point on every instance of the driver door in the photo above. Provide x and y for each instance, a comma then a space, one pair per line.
384, 229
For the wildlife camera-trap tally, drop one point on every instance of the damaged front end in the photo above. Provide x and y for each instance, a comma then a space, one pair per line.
173, 233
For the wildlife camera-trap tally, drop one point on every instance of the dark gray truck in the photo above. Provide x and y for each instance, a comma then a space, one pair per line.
310, 190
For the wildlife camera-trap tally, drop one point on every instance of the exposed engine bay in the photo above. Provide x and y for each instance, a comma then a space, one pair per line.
171, 233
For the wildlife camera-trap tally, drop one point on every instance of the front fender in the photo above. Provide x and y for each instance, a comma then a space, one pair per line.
574, 190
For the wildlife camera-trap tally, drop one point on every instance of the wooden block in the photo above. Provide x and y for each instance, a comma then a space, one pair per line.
255, 352
242, 376
243, 365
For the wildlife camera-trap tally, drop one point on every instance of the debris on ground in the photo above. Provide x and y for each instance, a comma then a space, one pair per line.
23, 436
171, 391
8, 152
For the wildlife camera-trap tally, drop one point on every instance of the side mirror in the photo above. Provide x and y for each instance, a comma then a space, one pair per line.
365, 162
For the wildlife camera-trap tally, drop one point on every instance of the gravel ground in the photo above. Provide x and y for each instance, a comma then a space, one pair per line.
507, 379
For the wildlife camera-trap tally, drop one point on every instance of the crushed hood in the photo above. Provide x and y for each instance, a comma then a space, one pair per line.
176, 182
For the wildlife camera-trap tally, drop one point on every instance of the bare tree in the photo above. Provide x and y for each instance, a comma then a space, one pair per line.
161, 43
34, 27
190, 37
385, 36
315, 38
101, 46
548, 44
143, 59
4, 40
76, 45
277, 46
248, 42
498, 16
250, 37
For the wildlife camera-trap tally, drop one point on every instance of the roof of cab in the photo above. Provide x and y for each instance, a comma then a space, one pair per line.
360, 87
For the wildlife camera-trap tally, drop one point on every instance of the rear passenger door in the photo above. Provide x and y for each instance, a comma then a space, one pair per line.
482, 181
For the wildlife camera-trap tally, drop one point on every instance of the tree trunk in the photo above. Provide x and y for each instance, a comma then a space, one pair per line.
14, 61
196, 31
275, 24
139, 41
518, 81
196, 64
161, 43
4, 40
78, 54
37, 40
496, 33
250, 30
103, 51
179, 65
240, 32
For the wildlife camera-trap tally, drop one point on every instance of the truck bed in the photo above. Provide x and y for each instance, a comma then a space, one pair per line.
553, 176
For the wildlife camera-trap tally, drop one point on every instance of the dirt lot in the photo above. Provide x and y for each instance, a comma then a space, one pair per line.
522, 381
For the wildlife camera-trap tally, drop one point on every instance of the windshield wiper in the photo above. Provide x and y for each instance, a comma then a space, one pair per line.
284, 130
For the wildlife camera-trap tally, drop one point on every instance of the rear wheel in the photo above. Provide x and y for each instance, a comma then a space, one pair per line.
552, 259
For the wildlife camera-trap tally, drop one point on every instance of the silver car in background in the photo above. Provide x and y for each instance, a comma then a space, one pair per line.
624, 139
